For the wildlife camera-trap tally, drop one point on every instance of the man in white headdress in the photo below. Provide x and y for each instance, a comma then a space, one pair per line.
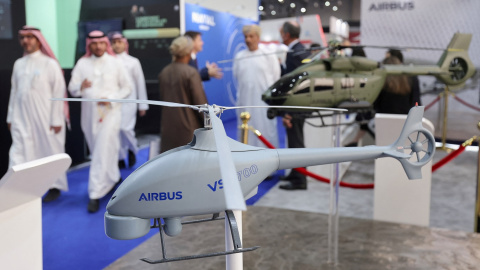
128, 142
36, 123
255, 69
99, 74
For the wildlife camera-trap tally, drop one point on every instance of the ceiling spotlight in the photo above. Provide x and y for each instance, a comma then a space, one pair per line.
303, 10
339, 3
260, 8
292, 5
273, 12
315, 4
327, 4
280, 1
335, 8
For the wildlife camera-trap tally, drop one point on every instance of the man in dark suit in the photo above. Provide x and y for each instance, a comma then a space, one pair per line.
211, 69
290, 32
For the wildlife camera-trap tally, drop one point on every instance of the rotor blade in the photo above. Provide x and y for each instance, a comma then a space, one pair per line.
390, 47
234, 199
251, 56
140, 101
286, 107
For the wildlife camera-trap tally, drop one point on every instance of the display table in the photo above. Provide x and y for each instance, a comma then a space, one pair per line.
21, 190
298, 240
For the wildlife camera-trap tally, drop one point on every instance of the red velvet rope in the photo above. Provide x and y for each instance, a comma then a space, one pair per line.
432, 103
316, 176
448, 158
466, 103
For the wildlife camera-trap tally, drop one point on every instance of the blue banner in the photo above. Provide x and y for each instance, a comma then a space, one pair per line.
223, 38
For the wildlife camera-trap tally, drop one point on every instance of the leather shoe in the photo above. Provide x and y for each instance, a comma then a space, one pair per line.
286, 178
52, 195
93, 205
292, 186
131, 159
121, 164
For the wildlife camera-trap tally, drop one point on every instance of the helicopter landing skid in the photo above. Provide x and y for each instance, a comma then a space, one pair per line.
237, 244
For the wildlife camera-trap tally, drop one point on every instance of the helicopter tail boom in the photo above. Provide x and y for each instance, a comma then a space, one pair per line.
453, 68
413, 148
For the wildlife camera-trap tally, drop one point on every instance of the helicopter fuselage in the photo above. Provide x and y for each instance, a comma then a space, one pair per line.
331, 83
355, 82
186, 181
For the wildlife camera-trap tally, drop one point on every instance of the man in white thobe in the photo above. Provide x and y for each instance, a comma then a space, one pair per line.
36, 123
98, 74
255, 69
128, 142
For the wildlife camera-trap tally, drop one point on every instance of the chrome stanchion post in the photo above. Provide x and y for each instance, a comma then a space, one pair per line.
477, 203
446, 95
245, 117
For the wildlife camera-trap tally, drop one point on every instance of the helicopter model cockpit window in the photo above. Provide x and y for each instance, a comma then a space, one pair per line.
287, 83
303, 87
323, 84
347, 83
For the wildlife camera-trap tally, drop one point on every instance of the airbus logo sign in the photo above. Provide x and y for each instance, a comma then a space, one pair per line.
392, 6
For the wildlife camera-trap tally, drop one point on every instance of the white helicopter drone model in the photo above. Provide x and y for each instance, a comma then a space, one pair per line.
214, 173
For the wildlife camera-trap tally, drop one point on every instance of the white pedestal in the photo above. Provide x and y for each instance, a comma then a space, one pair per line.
397, 199
21, 210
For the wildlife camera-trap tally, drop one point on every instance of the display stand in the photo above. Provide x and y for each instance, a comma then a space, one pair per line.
235, 261
334, 197
21, 189
476, 227
446, 95
397, 199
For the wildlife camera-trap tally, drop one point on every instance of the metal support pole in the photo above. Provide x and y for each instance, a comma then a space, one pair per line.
235, 261
333, 215
446, 95
477, 204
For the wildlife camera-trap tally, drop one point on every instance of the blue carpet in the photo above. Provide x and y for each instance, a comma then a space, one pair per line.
75, 239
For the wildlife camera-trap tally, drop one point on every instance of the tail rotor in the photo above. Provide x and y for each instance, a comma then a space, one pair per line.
416, 142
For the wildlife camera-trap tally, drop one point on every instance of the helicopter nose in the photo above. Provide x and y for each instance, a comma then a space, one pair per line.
273, 97
274, 100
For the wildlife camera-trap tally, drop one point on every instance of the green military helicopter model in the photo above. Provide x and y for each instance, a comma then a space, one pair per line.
354, 83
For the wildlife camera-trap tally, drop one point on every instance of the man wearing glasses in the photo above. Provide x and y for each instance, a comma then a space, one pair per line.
37, 124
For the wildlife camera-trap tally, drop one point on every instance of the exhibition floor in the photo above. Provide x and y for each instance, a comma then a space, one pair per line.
298, 240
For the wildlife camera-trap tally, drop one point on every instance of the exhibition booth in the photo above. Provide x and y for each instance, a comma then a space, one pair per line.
370, 215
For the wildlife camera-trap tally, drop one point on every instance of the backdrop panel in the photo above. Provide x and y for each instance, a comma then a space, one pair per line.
428, 23
223, 37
